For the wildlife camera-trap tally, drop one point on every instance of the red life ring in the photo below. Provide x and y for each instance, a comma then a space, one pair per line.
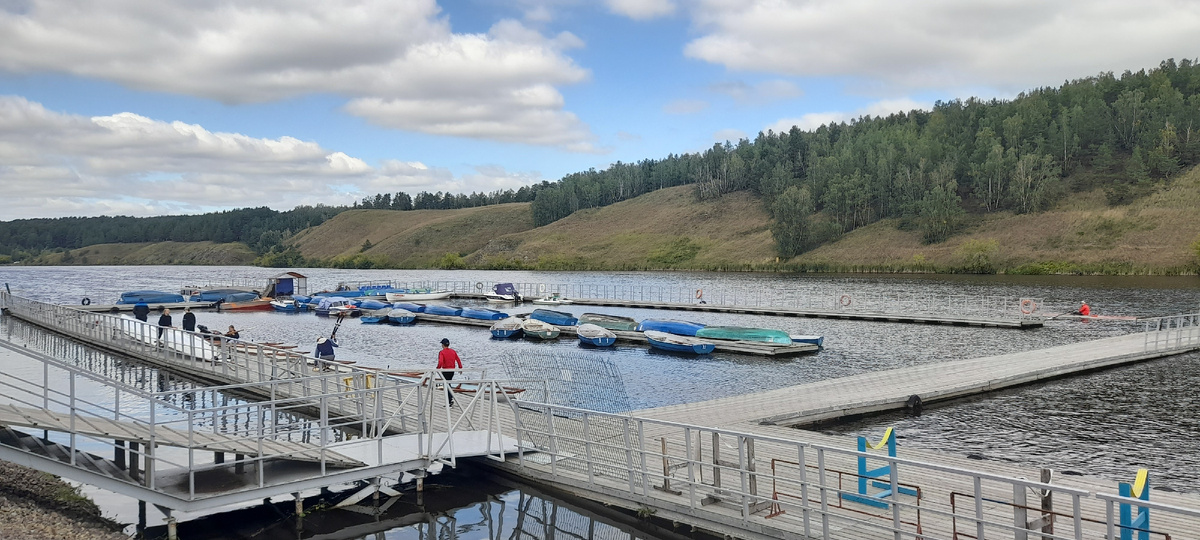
1028, 306
699, 294
845, 301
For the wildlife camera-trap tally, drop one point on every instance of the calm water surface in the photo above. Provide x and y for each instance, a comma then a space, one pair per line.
1105, 424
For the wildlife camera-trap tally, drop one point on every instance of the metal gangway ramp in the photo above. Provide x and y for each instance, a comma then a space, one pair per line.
181, 449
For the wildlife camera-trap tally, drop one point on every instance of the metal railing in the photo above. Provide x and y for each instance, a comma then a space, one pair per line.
726, 477
1174, 332
895, 303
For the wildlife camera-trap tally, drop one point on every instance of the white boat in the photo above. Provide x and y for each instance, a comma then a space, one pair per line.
595, 335
417, 295
552, 300
677, 343
503, 293
506, 328
539, 329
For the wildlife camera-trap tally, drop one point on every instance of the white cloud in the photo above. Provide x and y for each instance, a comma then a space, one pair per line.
685, 106
54, 164
641, 9
1004, 44
812, 121
763, 92
731, 135
250, 52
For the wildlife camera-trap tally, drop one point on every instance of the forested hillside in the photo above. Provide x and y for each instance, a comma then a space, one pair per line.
930, 168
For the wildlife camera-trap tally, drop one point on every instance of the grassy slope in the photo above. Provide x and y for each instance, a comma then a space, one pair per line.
663, 229
1152, 234
414, 238
191, 253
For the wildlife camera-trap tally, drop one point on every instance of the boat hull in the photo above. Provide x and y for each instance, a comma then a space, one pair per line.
249, 305
596, 336
740, 333
417, 296
676, 343
557, 318
408, 306
811, 340
611, 322
534, 328
401, 316
449, 311
482, 314
670, 326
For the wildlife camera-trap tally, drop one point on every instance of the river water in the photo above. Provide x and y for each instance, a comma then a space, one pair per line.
1106, 424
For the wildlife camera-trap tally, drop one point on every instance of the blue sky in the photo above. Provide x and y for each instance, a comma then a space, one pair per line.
138, 107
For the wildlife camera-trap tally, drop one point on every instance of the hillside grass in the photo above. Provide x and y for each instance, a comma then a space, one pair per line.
182, 253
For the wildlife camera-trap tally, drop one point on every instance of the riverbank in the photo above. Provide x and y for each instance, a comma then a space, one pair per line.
34, 504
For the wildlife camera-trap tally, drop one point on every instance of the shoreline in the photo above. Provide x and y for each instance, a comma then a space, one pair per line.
34, 504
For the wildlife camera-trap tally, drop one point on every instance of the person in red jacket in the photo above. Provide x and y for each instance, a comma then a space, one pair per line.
448, 360
1083, 309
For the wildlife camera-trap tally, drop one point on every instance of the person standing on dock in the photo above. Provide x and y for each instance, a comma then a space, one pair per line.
141, 311
164, 322
189, 320
448, 360
325, 348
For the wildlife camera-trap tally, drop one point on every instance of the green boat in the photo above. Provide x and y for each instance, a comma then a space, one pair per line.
611, 322
739, 333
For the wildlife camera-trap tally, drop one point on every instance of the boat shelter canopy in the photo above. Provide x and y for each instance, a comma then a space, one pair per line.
288, 284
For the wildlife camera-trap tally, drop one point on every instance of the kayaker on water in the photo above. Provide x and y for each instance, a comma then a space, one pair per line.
1083, 309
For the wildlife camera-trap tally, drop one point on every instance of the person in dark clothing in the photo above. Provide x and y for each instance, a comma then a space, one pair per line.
233, 333
141, 311
325, 348
164, 322
448, 360
189, 320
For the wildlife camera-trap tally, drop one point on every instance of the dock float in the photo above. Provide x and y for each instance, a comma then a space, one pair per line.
154, 306
879, 391
723, 345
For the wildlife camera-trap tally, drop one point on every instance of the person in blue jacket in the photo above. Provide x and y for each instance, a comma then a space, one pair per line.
325, 348
141, 311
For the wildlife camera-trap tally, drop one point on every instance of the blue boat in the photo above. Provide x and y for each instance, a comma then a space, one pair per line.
449, 311
371, 304
811, 340
409, 306
482, 314
289, 306
149, 297
670, 326
401, 316
742, 333
330, 303
596, 336
557, 318
675, 343
378, 316
507, 328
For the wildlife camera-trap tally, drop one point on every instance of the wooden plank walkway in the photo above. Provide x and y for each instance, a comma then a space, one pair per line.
103, 428
780, 311
877, 391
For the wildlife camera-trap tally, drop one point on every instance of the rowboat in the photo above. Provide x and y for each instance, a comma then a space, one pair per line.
740, 333
449, 311
558, 318
811, 340
257, 304
417, 295
676, 343
375, 316
505, 392
670, 326
401, 316
507, 328
288, 306
149, 297
370, 304
591, 334
552, 300
415, 308
539, 329
484, 314
1077, 317
611, 322
328, 304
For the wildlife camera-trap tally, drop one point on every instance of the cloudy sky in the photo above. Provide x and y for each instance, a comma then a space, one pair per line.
146, 107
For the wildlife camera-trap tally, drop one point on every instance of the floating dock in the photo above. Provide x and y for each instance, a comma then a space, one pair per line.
154, 306
723, 345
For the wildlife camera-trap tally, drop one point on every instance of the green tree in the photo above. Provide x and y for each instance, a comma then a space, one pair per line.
792, 225
940, 212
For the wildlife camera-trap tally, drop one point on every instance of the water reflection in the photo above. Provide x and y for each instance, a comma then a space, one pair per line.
466, 504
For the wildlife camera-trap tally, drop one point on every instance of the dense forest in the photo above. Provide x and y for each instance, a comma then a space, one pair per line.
930, 169
263, 229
